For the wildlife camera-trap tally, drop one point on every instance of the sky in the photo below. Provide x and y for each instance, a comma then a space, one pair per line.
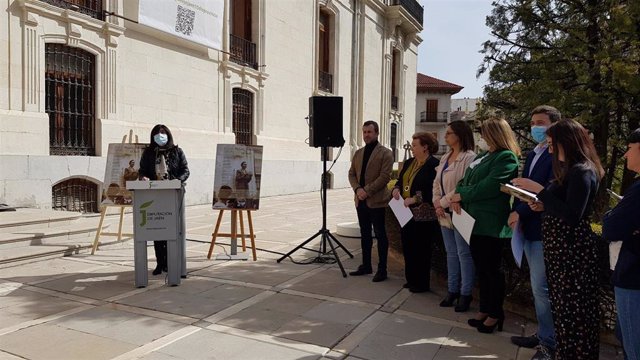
454, 31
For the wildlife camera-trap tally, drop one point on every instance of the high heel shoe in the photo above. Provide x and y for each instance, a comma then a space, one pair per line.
488, 329
449, 300
477, 322
463, 303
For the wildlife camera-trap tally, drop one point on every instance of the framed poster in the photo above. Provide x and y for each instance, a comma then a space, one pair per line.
237, 177
123, 162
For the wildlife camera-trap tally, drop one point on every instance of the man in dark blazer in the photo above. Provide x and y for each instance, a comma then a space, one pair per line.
538, 168
369, 175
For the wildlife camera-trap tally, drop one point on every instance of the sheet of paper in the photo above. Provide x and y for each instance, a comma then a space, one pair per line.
402, 213
614, 252
464, 224
517, 244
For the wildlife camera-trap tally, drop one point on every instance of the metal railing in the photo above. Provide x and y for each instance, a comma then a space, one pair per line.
433, 116
325, 82
413, 7
394, 102
92, 8
243, 51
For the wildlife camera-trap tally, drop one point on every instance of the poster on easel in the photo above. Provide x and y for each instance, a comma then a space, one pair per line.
237, 177
123, 162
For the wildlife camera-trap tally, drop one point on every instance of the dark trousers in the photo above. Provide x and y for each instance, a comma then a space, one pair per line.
416, 247
160, 248
366, 218
487, 257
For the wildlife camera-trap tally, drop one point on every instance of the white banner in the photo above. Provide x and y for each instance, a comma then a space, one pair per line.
199, 21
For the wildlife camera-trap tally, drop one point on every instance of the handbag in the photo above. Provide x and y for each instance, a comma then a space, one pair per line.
424, 212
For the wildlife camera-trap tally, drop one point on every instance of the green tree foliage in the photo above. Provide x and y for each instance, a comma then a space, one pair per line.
581, 56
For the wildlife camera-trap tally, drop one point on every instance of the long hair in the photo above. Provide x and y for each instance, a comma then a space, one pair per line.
577, 146
464, 133
498, 134
156, 129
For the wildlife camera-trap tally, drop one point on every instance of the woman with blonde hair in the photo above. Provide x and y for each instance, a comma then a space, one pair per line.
478, 193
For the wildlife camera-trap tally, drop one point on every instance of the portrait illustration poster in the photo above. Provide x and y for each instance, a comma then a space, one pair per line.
237, 177
123, 162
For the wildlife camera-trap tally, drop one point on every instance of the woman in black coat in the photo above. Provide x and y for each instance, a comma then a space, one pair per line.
162, 160
415, 186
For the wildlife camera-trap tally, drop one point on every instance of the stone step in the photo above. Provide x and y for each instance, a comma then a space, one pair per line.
26, 219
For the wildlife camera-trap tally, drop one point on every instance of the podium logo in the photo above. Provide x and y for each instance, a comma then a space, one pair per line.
143, 212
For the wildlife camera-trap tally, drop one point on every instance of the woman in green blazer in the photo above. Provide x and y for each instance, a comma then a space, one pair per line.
478, 193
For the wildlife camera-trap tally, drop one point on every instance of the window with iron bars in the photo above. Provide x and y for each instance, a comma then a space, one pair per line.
75, 195
69, 91
92, 8
243, 116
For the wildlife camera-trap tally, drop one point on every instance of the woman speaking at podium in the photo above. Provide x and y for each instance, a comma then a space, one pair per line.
162, 160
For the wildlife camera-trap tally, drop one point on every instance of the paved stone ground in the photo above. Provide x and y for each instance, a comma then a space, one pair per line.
86, 307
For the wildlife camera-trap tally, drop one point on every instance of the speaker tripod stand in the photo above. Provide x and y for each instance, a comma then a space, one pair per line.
324, 233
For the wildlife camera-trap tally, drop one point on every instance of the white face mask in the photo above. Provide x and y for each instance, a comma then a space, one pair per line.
161, 139
482, 144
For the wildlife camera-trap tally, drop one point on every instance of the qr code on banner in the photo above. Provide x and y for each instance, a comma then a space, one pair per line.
184, 20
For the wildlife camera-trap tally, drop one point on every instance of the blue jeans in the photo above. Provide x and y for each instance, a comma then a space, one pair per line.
535, 258
459, 262
628, 302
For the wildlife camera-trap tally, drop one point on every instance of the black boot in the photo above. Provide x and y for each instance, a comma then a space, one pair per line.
449, 300
463, 303
157, 270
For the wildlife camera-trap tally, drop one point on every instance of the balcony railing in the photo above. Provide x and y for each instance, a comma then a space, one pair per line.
443, 149
92, 8
325, 82
243, 51
432, 116
413, 7
394, 102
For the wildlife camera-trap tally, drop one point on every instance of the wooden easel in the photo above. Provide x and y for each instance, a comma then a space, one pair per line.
234, 230
105, 208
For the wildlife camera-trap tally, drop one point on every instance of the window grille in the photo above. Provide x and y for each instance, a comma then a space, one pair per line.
75, 195
69, 82
243, 116
92, 8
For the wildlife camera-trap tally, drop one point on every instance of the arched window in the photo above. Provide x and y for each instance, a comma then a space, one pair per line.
70, 100
243, 116
75, 195
394, 140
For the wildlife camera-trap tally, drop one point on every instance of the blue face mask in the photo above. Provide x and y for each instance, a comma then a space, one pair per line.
539, 133
161, 139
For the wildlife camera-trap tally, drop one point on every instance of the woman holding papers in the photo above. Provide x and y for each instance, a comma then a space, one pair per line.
161, 160
415, 183
570, 249
622, 223
478, 193
460, 271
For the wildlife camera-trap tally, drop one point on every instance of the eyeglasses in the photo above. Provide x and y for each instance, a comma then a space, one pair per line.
449, 133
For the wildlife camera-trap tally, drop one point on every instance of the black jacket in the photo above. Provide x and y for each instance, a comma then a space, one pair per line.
423, 181
177, 166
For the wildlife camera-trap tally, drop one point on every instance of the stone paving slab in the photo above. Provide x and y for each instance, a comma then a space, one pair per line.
85, 306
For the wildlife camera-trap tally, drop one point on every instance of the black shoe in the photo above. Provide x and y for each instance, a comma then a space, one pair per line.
476, 322
380, 276
449, 300
526, 341
157, 270
419, 289
463, 303
165, 269
488, 329
406, 285
361, 271
544, 353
